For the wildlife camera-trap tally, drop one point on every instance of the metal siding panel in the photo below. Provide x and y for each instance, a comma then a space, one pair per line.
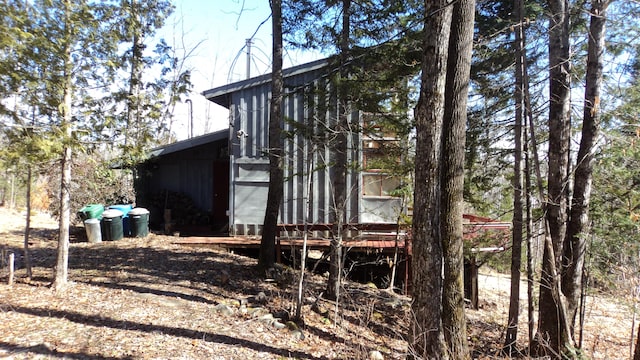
253, 136
294, 172
250, 200
256, 135
242, 126
301, 158
352, 177
263, 121
288, 198
252, 116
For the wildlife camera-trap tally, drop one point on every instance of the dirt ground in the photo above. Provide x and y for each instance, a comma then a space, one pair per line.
151, 299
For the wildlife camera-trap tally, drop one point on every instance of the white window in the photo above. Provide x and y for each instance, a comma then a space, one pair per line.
378, 184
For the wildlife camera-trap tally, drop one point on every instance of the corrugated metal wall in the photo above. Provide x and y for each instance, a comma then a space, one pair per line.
187, 174
309, 106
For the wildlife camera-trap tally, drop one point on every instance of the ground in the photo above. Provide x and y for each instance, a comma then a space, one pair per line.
151, 299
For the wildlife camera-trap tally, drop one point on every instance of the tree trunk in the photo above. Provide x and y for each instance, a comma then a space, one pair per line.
553, 336
276, 178
636, 352
530, 250
452, 176
135, 80
426, 339
27, 228
62, 263
517, 231
578, 227
340, 168
308, 215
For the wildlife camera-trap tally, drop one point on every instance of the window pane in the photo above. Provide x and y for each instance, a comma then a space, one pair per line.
389, 184
371, 185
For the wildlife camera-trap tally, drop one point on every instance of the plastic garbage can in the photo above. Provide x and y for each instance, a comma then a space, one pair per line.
125, 208
111, 225
91, 211
92, 227
139, 222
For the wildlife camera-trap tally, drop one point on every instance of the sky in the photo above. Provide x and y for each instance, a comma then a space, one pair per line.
214, 34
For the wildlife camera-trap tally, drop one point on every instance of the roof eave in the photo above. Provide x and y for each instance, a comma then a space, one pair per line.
222, 95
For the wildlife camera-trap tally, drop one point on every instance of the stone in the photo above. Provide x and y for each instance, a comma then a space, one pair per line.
257, 311
261, 298
297, 334
231, 302
375, 355
267, 319
223, 309
278, 325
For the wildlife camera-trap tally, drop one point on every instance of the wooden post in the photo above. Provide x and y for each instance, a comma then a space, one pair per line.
471, 280
167, 221
11, 267
474, 283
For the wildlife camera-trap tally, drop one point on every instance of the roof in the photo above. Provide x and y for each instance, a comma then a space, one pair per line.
190, 143
220, 95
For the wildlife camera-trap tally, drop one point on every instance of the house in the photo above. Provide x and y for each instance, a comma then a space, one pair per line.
309, 107
226, 173
190, 177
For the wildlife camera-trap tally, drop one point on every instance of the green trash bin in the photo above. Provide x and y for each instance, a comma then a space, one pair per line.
91, 211
126, 231
139, 222
111, 225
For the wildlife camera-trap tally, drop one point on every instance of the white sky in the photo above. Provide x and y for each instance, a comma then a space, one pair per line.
215, 31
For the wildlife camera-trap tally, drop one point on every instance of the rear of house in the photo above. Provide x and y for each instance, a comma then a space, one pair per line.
226, 174
310, 111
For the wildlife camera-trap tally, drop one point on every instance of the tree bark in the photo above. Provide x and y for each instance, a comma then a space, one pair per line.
636, 352
553, 336
452, 176
517, 230
530, 250
62, 263
426, 339
340, 168
266, 258
27, 227
135, 80
575, 242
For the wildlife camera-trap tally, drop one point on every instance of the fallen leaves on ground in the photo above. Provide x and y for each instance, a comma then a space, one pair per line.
150, 299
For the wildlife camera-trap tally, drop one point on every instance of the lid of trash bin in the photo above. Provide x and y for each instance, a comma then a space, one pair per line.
138, 211
92, 221
111, 213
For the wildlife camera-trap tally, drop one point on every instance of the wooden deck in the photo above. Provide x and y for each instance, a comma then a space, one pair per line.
369, 238
253, 242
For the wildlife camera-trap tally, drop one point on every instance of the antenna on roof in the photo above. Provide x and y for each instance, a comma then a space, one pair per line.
248, 44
